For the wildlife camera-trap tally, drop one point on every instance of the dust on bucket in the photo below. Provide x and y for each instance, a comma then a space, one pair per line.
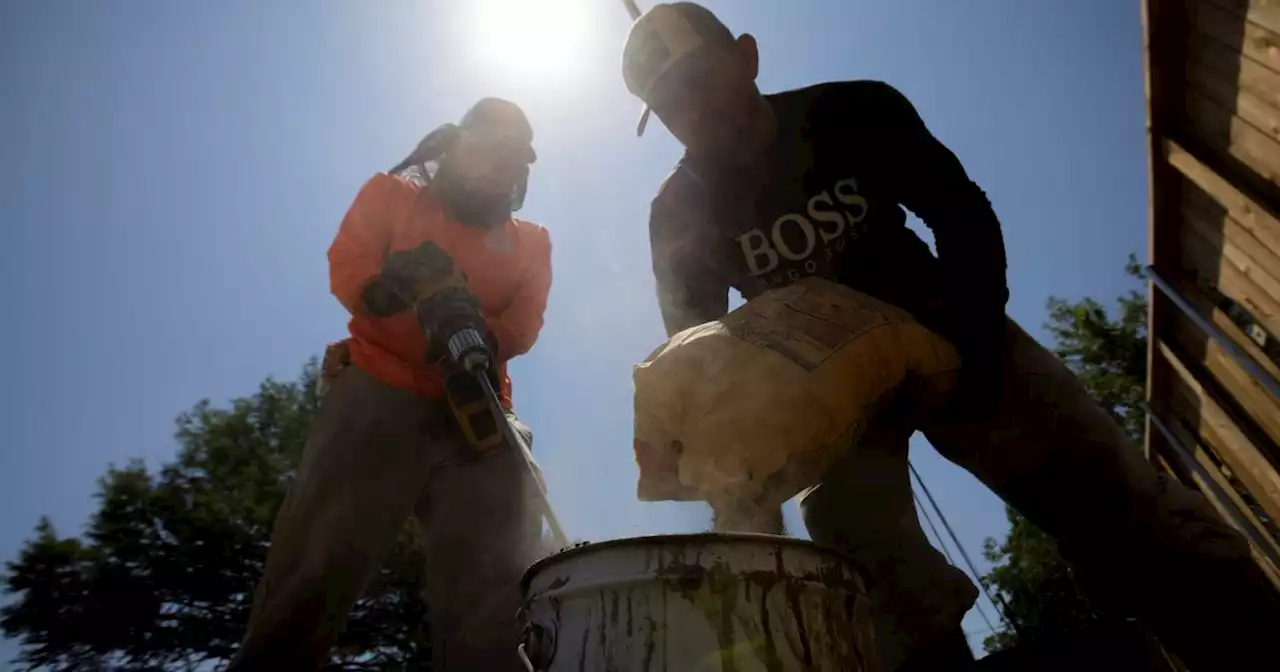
696, 603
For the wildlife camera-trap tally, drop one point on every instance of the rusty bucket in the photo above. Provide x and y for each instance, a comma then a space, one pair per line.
696, 603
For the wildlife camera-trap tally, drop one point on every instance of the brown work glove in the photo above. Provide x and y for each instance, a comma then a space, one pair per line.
409, 276
447, 311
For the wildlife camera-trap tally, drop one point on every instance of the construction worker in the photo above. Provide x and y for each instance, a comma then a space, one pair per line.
384, 445
813, 182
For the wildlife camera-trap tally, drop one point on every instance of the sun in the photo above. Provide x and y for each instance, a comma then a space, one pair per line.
542, 38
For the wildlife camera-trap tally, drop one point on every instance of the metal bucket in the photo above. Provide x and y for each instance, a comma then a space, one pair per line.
696, 603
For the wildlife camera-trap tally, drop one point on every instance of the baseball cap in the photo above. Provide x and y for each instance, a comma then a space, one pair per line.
662, 37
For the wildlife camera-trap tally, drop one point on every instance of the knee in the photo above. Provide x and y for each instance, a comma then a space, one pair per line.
294, 630
1168, 523
821, 518
836, 516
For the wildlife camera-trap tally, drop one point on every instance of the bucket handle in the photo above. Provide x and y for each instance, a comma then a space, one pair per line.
537, 642
524, 658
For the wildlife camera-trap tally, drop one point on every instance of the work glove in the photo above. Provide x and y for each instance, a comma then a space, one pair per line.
445, 313
409, 276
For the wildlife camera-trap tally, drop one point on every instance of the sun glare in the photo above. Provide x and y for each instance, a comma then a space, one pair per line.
543, 38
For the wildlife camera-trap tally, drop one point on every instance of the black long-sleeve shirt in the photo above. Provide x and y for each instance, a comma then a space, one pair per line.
848, 157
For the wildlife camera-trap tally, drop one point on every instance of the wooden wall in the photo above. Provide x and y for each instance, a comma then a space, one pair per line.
1213, 93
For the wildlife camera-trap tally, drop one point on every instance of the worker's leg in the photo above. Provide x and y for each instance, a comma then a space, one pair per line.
365, 463
1146, 545
481, 533
864, 508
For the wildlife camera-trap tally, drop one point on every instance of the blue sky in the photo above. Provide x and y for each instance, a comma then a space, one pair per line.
172, 174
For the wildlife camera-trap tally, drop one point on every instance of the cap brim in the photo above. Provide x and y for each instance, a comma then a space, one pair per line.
644, 120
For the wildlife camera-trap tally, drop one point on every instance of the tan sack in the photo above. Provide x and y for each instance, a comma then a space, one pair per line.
755, 406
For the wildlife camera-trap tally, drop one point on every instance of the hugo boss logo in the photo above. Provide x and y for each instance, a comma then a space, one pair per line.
807, 241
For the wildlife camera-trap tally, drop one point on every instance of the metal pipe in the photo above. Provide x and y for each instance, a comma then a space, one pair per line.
1242, 359
515, 442
1187, 457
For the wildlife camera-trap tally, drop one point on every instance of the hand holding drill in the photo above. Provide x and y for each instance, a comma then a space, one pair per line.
458, 339
426, 279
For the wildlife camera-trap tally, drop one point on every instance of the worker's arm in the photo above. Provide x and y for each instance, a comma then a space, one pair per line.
926, 178
360, 247
517, 328
690, 292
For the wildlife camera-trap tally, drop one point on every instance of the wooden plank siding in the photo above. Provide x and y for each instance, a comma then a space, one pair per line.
1202, 412
1181, 461
1213, 121
1259, 408
1193, 465
1205, 306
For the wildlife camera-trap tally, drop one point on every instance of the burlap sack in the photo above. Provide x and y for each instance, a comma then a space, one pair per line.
755, 406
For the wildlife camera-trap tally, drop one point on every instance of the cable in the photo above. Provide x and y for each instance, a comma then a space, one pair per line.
943, 545
925, 513
997, 601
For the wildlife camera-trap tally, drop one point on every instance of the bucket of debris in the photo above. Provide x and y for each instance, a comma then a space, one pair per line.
751, 409
696, 603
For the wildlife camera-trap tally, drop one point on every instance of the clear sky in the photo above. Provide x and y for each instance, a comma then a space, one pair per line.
171, 174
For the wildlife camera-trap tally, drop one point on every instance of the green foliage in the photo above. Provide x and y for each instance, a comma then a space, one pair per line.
163, 576
1109, 355
1037, 585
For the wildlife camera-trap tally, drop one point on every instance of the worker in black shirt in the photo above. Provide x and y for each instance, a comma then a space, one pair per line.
813, 182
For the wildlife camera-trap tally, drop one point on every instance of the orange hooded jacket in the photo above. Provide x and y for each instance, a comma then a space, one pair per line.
508, 270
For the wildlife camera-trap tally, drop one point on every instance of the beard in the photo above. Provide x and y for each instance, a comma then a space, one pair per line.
470, 206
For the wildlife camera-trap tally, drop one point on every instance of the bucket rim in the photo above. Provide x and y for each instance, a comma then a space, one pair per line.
686, 538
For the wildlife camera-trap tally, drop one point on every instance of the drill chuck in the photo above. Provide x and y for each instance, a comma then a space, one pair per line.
468, 350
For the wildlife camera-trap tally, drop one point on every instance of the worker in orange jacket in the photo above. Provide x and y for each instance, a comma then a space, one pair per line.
385, 444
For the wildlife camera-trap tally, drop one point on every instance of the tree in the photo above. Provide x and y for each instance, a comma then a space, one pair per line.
1109, 355
163, 576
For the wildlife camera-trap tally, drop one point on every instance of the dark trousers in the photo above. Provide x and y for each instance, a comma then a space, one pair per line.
1144, 545
377, 455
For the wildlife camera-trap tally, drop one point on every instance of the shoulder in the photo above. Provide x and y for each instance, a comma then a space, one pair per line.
388, 191
863, 97
393, 185
852, 90
532, 236
525, 228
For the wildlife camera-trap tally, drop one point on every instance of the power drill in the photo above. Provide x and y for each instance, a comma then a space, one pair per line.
451, 313
452, 320
426, 279
450, 317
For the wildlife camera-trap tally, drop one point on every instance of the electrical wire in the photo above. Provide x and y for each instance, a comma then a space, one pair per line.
996, 601
936, 535
943, 545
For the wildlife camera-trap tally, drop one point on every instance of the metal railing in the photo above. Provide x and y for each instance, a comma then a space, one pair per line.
1186, 458
1229, 346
